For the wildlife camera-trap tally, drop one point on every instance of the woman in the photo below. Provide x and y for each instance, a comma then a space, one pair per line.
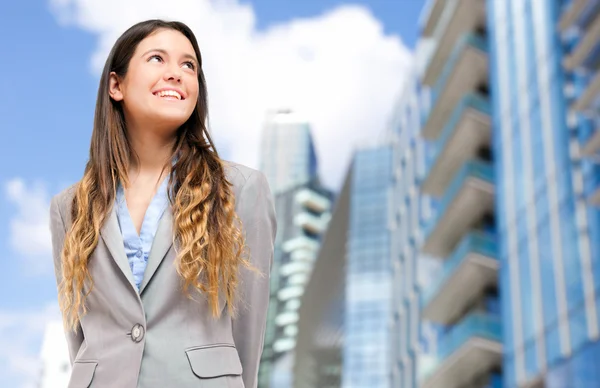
160, 234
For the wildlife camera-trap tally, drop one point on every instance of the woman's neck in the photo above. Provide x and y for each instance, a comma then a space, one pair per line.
153, 154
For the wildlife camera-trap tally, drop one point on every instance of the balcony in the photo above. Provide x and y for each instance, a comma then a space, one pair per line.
590, 138
286, 318
587, 51
312, 200
456, 19
466, 70
467, 131
296, 267
430, 17
589, 96
301, 243
290, 292
472, 347
470, 196
578, 14
469, 270
284, 344
310, 222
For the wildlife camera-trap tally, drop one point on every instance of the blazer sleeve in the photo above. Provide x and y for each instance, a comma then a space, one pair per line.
58, 231
257, 212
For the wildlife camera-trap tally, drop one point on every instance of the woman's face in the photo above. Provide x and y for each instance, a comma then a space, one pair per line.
160, 88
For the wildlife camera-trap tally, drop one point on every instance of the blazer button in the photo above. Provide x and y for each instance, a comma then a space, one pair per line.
137, 332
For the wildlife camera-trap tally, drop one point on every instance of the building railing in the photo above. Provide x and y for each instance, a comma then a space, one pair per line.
475, 325
440, 28
468, 39
474, 242
473, 100
471, 169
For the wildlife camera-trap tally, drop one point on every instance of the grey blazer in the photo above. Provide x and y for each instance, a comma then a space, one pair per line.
158, 338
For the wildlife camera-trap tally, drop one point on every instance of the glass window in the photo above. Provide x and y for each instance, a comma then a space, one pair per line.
527, 293
553, 352
578, 328
531, 366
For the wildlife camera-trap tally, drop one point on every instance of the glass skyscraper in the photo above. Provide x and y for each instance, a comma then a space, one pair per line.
303, 214
288, 155
547, 223
369, 277
303, 210
405, 226
320, 338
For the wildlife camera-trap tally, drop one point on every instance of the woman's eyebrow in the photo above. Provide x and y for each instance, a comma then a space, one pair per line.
163, 51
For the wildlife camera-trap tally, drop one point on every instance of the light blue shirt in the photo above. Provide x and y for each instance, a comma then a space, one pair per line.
137, 247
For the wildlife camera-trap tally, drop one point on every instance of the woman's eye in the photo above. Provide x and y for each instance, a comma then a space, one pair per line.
155, 57
190, 65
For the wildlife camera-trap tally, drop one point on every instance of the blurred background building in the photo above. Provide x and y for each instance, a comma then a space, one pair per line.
497, 179
369, 277
459, 179
318, 361
545, 113
287, 152
405, 219
303, 207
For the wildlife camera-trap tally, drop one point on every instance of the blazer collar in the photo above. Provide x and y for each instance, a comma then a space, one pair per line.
163, 241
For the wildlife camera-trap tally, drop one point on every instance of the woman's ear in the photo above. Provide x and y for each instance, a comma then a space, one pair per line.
114, 87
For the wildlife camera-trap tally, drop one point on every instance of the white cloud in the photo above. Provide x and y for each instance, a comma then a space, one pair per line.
337, 69
20, 337
29, 228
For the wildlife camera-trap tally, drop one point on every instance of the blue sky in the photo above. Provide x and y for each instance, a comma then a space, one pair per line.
47, 108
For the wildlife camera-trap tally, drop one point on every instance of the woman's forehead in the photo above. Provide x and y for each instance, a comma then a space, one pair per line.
168, 41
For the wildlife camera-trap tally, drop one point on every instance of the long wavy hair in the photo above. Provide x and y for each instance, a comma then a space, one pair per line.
207, 231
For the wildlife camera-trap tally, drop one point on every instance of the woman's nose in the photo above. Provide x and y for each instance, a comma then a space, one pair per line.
173, 75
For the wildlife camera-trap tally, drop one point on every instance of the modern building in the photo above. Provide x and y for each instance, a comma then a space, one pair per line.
288, 155
404, 222
320, 339
56, 368
544, 86
303, 207
459, 181
303, 213
367, 359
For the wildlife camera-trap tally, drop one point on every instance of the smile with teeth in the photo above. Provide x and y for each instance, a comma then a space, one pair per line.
168, 93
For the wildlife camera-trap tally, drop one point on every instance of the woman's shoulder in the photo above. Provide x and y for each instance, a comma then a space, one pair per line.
64, 198
240, 175
62, 203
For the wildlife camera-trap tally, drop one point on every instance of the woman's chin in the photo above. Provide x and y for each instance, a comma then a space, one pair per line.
169, 120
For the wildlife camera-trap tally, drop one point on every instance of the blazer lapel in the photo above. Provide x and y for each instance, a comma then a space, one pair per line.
113, 239
163, 240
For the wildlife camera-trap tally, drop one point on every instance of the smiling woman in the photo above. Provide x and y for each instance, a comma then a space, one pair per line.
164, 65
157, 220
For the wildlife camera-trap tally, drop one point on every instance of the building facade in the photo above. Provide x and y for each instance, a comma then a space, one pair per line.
369, 276
320, 339
405, 222
303, 214
287, 152
303, 208
462, 300
545, 56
